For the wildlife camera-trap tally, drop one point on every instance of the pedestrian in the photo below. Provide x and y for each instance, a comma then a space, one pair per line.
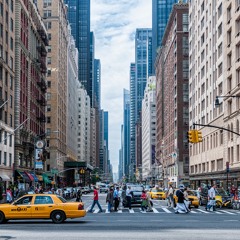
170, 196
95, 200
149, 202
79, 195
211, 198
9, 195
181, 207
116, 199
233, 191
186, 200
109, 199
144, 203
129, 197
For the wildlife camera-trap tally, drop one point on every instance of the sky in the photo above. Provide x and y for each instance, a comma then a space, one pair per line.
114, 23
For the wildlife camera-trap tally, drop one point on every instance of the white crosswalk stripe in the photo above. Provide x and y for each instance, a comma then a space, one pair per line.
131, 210
200, 210
227, 212
166, 210
155, 210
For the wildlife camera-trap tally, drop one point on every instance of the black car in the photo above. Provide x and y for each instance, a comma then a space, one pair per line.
136, 192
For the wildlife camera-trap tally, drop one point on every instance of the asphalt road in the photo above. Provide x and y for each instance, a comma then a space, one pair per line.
126, 225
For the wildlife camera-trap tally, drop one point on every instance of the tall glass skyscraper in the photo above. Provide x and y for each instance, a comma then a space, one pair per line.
161, 10
97, 84
126, 131
79, 19
142, 70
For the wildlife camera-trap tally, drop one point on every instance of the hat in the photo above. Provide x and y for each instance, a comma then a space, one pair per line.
181, 186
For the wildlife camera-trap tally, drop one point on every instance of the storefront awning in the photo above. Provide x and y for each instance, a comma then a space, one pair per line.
5, 177
46, 179
34, 177
22, 176
30, 176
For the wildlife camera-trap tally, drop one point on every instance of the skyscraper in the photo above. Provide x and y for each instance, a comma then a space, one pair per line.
79, 18
142, 70
161, 10
126, 131
97, 84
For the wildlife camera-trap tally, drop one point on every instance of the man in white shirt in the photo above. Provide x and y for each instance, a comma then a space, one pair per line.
129, 197
211, 198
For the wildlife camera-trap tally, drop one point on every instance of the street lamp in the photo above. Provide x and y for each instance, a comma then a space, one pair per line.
217, 103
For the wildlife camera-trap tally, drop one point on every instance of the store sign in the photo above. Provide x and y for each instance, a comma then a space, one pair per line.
38, 158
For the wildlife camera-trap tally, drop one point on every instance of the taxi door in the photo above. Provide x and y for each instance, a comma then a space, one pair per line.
42, 207
22, 208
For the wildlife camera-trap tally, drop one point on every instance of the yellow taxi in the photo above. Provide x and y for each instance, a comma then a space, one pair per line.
192, 196
157, 193
41, 206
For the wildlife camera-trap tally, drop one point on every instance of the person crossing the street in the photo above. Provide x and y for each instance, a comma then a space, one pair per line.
95, 200
116, 199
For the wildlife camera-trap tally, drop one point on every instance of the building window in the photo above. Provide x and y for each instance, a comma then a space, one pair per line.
220, 69
48, 108
220, 30
49, 36
47, 3
49, 60
48, 119
10, 159
229, 61
220, 11
5, 159
229, 14
47, 13
5, 138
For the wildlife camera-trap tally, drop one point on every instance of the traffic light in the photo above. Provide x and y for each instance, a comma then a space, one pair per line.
81, 171
192, 136
199, 136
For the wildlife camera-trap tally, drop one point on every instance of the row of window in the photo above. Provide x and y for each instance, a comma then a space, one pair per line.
6, 159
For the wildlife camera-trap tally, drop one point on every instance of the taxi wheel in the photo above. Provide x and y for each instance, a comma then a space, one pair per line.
58, 216
2, 218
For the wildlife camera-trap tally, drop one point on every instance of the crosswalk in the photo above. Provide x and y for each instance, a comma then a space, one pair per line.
164, 210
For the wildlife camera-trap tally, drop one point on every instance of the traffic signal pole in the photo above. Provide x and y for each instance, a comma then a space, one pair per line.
213, 126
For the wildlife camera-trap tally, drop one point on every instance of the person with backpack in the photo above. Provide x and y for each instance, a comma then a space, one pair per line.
144, 204
181, 207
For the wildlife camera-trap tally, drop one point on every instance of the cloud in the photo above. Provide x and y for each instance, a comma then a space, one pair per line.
114, 24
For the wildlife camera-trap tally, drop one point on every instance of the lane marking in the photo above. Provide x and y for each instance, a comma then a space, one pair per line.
231, 220
107, 211
119, 211
166, 210
155, 210
227, 212
96, 211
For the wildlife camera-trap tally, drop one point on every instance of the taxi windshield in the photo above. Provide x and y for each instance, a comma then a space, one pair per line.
191, 193
157, 190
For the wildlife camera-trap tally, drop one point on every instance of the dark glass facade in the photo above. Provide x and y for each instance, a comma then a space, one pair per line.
79, 19
97, 83
161, 10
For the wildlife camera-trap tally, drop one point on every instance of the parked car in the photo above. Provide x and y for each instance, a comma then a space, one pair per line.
85, 190
41, 206
103, 189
